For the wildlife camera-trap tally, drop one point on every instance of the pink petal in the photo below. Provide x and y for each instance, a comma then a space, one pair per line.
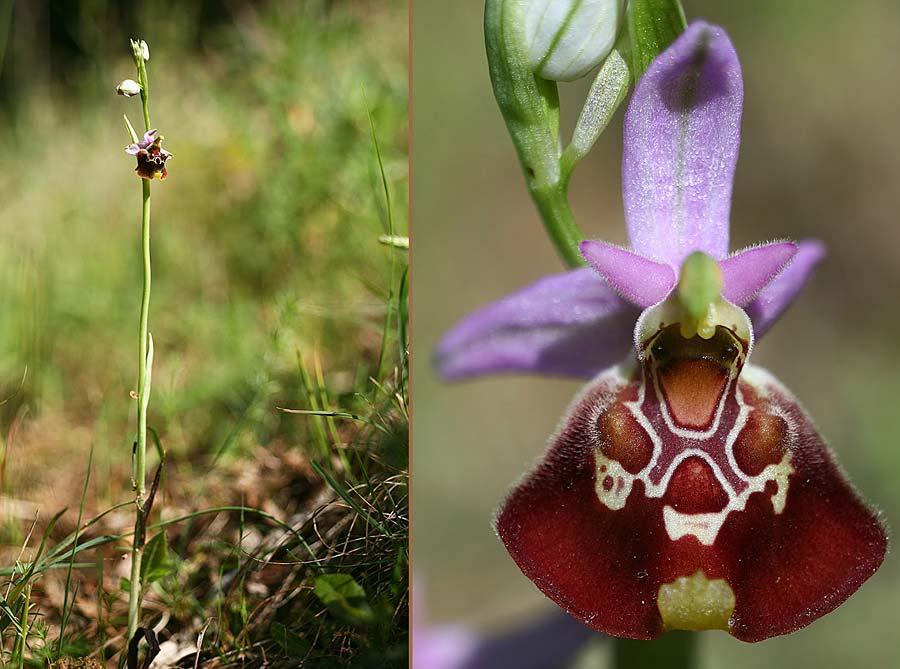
640, 281
777, 296
745, 273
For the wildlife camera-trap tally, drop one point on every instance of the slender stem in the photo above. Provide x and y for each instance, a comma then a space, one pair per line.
140, 454
675, 650
145, 91
22, 638
530, 108
553, 204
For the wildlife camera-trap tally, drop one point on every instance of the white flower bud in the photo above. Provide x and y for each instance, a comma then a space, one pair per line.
568, 38
129, 88
140, 50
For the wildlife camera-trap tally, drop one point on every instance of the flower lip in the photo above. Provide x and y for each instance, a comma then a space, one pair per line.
793, 541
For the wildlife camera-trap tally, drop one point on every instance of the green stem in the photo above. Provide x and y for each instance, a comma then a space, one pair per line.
530, 108
22, 638
145, 92
675, 650
553, 204
140, 455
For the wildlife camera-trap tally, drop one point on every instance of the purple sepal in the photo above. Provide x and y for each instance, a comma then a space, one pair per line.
570, 324
682, 131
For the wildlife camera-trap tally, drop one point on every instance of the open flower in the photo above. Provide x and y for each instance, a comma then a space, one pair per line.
685, 489
151, 157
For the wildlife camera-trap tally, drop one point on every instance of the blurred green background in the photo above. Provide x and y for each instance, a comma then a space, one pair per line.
820, 157
265, 234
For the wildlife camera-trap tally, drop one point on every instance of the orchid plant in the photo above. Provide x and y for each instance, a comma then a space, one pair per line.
151, 164
685, 488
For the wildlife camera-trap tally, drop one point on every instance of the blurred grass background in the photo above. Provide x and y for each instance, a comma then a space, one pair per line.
820, 157
265, 235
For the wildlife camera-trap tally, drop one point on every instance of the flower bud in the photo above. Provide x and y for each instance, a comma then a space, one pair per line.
140, 50
129, 88
566, 39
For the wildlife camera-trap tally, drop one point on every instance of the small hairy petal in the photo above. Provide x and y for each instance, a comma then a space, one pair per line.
641, 281
692, 541
570, 324
745, 273
682, 131
778, 295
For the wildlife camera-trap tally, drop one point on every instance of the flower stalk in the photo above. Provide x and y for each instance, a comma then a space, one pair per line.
530, 48
675, 650
145, 361
530, 107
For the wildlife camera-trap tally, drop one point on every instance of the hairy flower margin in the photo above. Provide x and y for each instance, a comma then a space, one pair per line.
151, 157
685, 489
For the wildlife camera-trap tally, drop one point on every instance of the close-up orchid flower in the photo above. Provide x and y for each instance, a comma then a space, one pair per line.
151, 157
685, 488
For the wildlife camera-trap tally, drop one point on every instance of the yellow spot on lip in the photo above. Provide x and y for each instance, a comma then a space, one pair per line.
696, 603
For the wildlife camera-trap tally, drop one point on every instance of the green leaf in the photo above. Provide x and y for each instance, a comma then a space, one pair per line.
345, 598
653, 25
157, 561
292, 644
